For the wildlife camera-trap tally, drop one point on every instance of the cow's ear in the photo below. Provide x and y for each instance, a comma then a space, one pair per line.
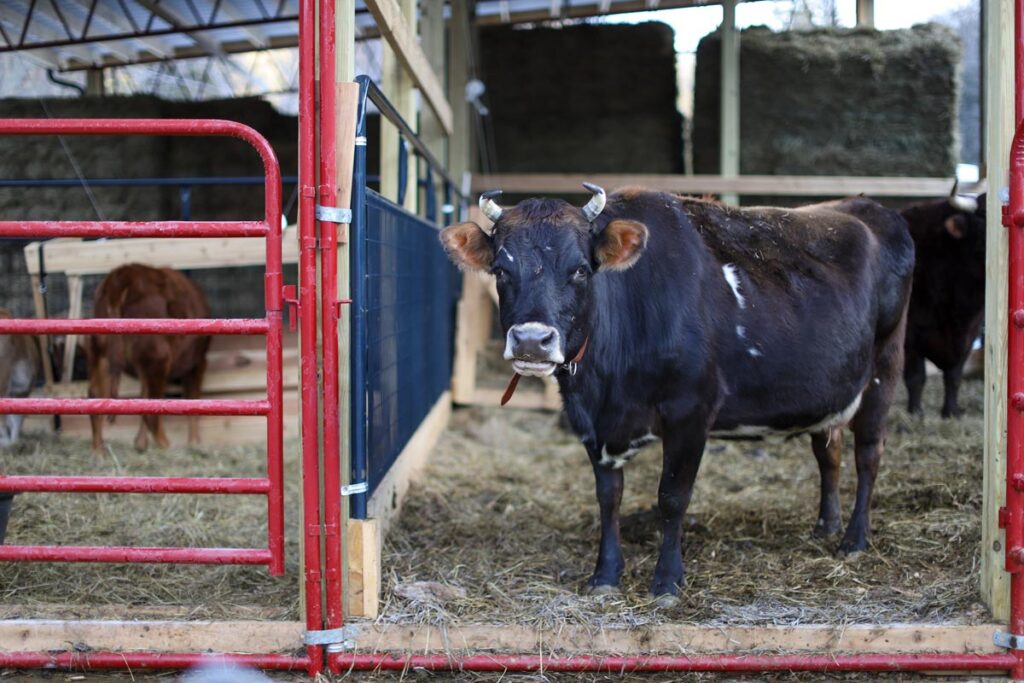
620, 244
468, 246
956, 225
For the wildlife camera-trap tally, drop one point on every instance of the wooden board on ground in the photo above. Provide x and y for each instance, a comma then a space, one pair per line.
677, 639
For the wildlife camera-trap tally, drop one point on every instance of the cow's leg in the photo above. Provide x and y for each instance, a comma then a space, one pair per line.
14, 427
192, 388
99, 387
869, 431
683, 448
951, 384
157, 388
610, 563
828, 447
142, 436
914, 378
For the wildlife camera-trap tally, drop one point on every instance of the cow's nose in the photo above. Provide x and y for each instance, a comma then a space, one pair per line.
533, 342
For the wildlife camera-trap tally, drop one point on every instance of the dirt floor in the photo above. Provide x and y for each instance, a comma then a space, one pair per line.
506, 522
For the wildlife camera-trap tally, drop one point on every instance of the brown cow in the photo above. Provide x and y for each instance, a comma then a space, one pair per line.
21, 366
138, 291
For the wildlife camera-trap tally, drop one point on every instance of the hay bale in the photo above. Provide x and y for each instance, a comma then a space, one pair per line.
836, 102
566, 99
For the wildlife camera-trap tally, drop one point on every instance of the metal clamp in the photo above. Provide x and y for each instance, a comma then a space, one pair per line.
333, 214
336, 639
1010, 641
352, 489
1004, 195
360, 141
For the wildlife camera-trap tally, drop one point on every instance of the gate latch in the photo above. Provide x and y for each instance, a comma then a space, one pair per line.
291, 299
1010, 641
336, 639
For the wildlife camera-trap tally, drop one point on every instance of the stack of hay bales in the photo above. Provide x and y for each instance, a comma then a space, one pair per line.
583, 98
836, 102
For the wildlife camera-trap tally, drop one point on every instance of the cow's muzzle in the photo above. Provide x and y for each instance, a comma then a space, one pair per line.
534, 349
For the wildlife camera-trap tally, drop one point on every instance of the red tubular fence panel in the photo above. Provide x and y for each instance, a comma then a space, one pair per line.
271, 327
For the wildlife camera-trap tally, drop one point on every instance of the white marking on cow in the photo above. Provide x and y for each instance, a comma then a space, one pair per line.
768, 433
503, 250
556, 356
617, 461
754, 352
741, 332
732, 277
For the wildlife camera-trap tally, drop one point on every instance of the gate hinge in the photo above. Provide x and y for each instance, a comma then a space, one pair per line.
336, 639
1004, 517
342, 302
1010, 641
291, 300
333, 214
353, 489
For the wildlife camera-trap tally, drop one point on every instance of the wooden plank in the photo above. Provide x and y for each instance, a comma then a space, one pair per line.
35, 635
362, 590
812, 186
524, 400
729, 99
999, 126
398, 84
473, 313
76, 292
386, 501
95, 257
459, 46
866, 13
397, 27
678, 638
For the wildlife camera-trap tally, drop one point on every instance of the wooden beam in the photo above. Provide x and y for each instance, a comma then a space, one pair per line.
398, 84
35, 635
729, 99
98, 257
999, 127
813, 186
588, 9
866, 13
397, 27
677, 638
362, 589
431, 131
460, 44
472, 326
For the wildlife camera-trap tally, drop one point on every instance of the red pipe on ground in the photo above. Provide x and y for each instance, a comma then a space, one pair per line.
135, 326
85, 661
131, 406
127, 555
62, 484
731, 663
328, 192
308, 319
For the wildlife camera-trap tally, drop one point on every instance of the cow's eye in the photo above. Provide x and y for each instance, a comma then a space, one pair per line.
580, 274
500, 274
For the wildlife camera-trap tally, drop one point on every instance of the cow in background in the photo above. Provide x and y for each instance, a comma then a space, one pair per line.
138, 291
21, 368
948, 299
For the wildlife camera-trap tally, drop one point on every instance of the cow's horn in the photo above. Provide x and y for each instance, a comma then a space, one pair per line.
595, 206
960, 202
489, 207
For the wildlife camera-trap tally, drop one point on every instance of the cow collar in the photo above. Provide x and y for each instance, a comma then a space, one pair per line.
569, 367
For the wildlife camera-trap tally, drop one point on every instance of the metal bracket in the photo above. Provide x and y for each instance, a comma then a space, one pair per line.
333, 214
1004, 195
336, 639
352, 489
290, 294
1010, 641
360, 141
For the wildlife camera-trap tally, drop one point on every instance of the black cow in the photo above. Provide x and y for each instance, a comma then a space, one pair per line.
947, 305
686, 319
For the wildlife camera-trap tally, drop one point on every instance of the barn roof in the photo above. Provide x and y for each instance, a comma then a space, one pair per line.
72, 35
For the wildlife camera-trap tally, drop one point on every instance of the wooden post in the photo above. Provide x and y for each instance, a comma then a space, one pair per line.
94, 82
75, 294
866, 13
431, 130
999, 108
459, 45
729, 142
398, 86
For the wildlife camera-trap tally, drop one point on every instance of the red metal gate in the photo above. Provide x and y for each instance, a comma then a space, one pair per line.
270, 326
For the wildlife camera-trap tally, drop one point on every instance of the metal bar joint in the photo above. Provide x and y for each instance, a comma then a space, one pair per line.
353, 489
1010, 641
336, 639
333, 214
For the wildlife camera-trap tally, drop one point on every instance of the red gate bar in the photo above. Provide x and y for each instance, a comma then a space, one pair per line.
29, 229
120, 554
132, 406
87, 661
65, 484
135, 326
271, 327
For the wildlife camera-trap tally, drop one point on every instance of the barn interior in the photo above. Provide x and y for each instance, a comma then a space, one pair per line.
484, 515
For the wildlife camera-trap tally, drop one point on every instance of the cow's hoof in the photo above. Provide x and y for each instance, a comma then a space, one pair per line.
666, 601
851, 551
823, 529
603, 589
